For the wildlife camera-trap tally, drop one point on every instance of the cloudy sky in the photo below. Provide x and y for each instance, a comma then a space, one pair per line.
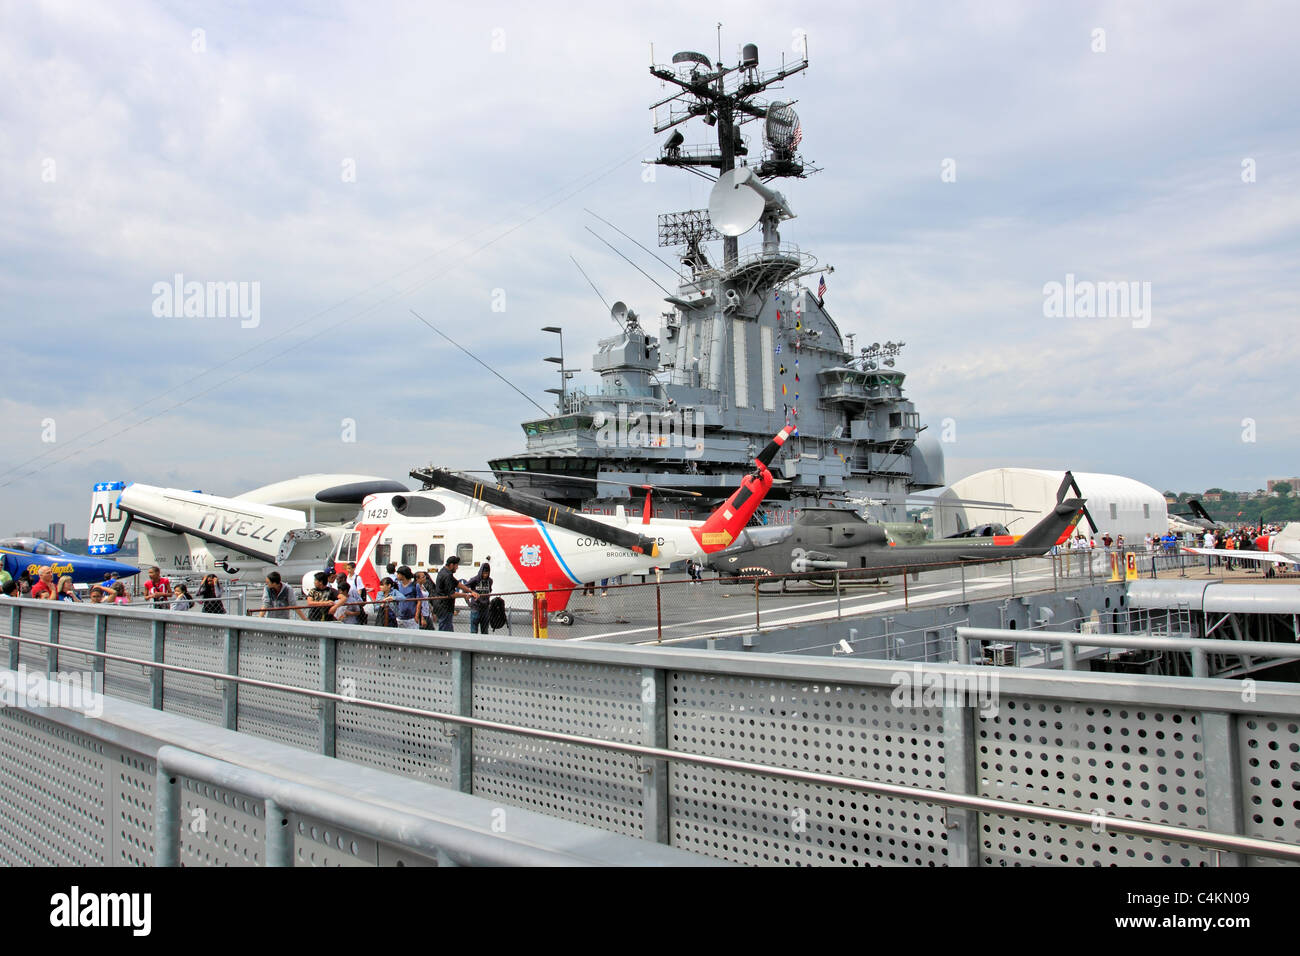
360, 160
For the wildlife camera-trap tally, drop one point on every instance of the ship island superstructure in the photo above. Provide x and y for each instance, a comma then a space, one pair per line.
746, 348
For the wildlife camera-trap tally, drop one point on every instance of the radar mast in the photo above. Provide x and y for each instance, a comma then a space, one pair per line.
725, 98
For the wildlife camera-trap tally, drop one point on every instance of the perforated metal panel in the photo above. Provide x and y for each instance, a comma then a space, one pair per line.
1270, 756
220, 827
133, 800
850, 731
35, 623
591, 786
316, 843
133, 638
76, 630
412, 676
54, 805
1145, 763
276, 715
202, 648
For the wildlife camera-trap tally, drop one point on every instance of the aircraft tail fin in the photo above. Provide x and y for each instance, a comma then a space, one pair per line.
1199, 510
730, 518
108, 523
1056, 527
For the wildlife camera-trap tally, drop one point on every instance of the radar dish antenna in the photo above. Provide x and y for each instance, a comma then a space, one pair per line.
734, 208
779, 130
690, 56
618, 311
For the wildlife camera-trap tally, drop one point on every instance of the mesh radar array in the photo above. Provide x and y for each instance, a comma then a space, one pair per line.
725, 98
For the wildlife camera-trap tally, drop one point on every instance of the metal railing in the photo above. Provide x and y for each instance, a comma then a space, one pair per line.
419, 835
669, 606
1199, 648
449, 843
478, 704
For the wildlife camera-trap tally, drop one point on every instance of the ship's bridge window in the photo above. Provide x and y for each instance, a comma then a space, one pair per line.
895, 419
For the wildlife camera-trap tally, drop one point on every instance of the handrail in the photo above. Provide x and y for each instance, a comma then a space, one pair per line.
460, 845
1153, 690
1071, 641
1143, 641
1157, 831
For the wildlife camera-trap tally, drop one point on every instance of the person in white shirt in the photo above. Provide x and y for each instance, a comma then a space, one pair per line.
355, 587
347, 609
1209, 558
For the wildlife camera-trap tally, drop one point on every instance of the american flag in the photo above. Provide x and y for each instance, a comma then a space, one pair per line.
798, 136
821, 290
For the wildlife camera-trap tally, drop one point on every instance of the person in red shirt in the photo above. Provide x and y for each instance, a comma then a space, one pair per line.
157, 588
44, 588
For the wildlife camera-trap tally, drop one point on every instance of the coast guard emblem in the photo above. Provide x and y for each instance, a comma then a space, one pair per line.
530, 555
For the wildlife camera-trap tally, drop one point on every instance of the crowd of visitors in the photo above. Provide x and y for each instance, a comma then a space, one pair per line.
403, 599
407, 599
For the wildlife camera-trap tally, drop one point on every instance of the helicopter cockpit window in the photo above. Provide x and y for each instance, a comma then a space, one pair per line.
761, 537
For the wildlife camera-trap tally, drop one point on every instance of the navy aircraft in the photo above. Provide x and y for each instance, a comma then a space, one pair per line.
29, 555
832, 540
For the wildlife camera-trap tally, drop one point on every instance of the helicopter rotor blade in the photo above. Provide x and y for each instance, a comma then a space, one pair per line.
537, 508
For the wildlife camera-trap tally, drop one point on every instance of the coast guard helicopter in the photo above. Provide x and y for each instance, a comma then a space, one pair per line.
533, 544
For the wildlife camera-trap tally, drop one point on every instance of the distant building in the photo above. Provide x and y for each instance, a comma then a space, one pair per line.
58, 534
1293, 482
1212, 496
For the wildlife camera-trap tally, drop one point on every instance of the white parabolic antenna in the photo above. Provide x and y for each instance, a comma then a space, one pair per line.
619, 312
735, 208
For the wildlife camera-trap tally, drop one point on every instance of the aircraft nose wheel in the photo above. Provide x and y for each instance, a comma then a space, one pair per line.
565, 618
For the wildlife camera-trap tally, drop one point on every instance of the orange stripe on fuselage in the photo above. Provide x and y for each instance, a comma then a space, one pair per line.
521, 541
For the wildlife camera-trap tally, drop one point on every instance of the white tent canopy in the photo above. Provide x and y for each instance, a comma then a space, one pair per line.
1119, 505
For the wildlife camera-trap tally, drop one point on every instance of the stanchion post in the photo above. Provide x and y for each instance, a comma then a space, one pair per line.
659, 613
